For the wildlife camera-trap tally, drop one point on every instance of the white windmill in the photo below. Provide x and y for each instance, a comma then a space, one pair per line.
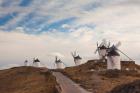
26, 63
59, 63
102, 49
77, 58
113, 57
36, 62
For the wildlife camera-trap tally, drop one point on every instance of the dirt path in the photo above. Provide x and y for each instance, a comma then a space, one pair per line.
67, 85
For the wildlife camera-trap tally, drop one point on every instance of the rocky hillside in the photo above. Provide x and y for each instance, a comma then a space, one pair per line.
27, 80
133, 87
93, 76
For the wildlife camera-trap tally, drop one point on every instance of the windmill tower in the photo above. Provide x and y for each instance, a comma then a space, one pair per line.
59, 63
113, 57
102, 49
36, 62
26, 63
77, 58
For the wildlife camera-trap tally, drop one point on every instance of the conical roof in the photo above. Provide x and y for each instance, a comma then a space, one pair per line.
36, 60
58, 61
103, 47
78, 57
113, 53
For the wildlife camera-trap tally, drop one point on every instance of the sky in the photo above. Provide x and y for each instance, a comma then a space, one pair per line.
45, 28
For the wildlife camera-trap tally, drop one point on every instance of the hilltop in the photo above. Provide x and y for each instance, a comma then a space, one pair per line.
93, 76
27, 80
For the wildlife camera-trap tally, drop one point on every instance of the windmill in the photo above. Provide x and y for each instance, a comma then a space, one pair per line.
26, 63
113, 57
36, 62
102, 49
77, 58
59, 63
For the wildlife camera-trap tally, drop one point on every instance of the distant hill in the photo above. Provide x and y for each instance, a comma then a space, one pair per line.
94, 77
27, 80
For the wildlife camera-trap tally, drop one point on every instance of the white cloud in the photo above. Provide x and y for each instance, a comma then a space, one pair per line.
116, 20
66, 26
17, 46
108, 14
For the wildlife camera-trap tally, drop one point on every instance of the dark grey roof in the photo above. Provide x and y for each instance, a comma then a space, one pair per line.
113, 53
102, 47
77, 57
36, 60
58, 61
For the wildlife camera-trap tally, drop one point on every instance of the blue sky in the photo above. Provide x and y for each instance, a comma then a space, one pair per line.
34, 28
34, 15
7, 17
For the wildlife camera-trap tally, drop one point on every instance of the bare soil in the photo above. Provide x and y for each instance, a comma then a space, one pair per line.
27, 80
93, 76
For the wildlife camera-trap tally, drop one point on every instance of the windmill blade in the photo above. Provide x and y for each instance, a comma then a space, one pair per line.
97, 44
72, 54
97, 48
101, 44
96, 51
34, 60
108, 44
56, 58
104, 42
118, 44
125, 55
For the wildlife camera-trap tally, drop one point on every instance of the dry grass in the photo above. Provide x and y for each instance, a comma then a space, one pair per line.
26, 80
133, 87
94, 78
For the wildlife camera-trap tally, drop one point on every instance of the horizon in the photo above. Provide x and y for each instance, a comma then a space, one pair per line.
46, 28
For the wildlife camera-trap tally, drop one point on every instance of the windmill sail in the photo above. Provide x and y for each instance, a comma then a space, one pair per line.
116, 47
102, 49
77, 58
118, 44
59, 63
126, 55
36, 62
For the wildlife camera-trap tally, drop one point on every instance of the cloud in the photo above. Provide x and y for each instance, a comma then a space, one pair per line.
105, 14
66, 26
62, 27
17, 46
